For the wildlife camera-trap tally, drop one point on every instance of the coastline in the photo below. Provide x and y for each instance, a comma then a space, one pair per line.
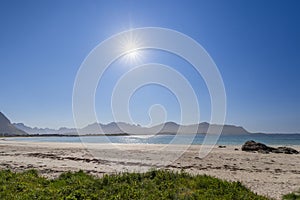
275, 140
271, 174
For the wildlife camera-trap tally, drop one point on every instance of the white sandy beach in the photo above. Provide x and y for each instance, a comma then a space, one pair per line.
271, 174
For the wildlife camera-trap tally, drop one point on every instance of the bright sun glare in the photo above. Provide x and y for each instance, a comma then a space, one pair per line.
133, 55
130, 47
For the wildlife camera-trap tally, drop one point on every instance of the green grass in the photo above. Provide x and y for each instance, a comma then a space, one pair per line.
292, 196
151, 185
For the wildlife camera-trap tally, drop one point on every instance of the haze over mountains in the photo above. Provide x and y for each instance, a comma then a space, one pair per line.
115, 128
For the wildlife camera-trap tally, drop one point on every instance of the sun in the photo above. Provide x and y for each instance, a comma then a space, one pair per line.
130, 47
132, 55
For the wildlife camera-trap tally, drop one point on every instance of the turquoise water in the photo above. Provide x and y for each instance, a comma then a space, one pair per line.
271, 139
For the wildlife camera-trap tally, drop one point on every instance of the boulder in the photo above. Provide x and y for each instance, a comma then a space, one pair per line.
262, 148
256, 146
286, 150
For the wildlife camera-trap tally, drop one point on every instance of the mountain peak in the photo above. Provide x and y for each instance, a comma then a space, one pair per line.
171, 123
8, 129
3, 118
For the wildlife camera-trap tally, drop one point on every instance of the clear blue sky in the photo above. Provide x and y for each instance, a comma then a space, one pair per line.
255, 44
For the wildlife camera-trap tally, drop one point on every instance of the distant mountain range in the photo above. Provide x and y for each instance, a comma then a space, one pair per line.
121, 127
8, 129
44, 131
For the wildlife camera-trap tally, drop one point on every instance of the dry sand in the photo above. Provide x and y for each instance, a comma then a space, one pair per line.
271, 175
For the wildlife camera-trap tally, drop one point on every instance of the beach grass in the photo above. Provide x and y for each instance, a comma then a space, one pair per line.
155, 184
292, 196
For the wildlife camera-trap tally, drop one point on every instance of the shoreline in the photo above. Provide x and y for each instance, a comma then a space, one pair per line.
271, 174
144, 139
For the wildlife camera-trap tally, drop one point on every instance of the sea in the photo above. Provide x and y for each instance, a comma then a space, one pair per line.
269, 139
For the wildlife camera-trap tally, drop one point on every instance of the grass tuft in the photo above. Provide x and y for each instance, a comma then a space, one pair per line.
292, 196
